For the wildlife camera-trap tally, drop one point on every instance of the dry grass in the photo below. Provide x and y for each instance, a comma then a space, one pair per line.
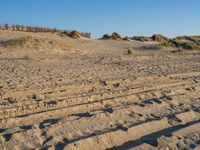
34, 43
26, 57
129, 52
184, 42
114, 36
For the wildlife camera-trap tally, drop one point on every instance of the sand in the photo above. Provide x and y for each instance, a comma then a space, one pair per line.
94, 94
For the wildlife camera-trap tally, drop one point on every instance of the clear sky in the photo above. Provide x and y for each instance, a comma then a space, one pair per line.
128, 17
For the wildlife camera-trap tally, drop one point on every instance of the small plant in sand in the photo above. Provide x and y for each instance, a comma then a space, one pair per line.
129, 52
26, 57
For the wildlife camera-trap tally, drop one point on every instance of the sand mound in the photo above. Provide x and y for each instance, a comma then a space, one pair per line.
155, 38
114, 36
183, 42
142, 39
159, 38
127, 38
106, 37
33, 43
75, 35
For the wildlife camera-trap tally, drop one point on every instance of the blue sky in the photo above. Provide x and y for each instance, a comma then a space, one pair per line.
128, 17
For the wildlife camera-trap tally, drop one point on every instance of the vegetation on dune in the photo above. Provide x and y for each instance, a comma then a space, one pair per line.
41, 30
142, 39
159, 38
181, 42
74, 34
154, 38
127, 38
106, 37
184, 42
114, 36
189, 38
34, 43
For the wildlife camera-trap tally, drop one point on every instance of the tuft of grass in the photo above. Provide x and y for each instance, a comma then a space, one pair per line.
129, 52
26, 57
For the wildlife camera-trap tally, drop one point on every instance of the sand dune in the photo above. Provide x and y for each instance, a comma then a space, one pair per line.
95, 94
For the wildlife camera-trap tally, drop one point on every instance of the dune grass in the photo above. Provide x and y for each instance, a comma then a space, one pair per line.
184, 42
34, 43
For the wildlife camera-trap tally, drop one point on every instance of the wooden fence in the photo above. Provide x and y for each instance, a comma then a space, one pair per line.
38, 29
